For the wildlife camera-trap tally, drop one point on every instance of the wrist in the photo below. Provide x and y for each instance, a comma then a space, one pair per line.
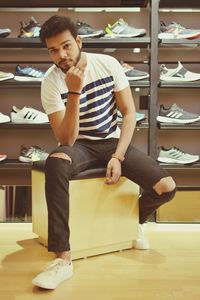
120, 158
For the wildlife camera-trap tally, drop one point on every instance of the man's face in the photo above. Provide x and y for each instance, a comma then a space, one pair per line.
64, 50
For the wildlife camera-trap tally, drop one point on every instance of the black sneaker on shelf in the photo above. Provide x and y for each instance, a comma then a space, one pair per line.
30, 30
4, 32
175, 114
85, 30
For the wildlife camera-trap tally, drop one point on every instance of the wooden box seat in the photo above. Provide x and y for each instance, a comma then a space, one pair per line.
103, 218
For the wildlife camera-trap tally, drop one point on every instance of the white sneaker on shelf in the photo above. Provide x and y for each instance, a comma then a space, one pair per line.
28, 115
141, 243
56, 272
4, 118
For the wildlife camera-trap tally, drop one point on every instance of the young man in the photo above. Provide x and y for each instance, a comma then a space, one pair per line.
81, 93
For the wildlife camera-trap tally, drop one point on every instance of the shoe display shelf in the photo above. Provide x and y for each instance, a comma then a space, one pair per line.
73, 3
186, 176
12, 171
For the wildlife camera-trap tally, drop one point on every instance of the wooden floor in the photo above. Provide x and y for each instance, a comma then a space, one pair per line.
169, 271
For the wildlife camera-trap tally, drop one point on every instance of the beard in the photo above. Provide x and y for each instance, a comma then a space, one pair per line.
68, 63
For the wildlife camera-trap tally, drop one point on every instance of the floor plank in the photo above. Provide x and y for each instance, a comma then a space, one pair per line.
169, 271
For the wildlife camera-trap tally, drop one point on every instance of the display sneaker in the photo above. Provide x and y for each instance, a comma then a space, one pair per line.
139, 116
121, 29
132, 73
55, 273
85, 30
4, 32
179, 74
4, 118
2, 156
175, 155
175, 114
28, 115
177, 31
32, 154
28, 73
141, 243
30, 30
5, 76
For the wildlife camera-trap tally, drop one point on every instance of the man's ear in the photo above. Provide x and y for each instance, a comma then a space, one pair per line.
79, 41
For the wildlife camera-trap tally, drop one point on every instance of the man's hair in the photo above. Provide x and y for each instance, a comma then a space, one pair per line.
55, 25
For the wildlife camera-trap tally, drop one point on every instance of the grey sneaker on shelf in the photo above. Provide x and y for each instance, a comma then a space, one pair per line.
55, 273
178, 74
132, 73
175, 114
176, 156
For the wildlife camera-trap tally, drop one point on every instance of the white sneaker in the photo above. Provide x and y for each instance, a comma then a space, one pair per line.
28, 115
4, 118
141, 243
56, 272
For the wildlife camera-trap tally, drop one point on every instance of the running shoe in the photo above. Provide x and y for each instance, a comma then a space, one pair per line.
2, 156
139, 116
4, 118
28, 73
28, 115
134, 74
177, 31
4, 32
121, 29
5, 76
176, 156
54, 273
84, 30
175, 114
34, 153
179, 74
30, 30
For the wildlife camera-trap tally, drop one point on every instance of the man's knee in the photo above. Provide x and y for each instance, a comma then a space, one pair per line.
61, 156
165, 189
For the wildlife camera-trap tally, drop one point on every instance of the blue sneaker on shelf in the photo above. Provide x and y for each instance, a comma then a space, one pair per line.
28, 73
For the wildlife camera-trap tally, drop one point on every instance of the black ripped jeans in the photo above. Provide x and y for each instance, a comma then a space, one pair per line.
86, 154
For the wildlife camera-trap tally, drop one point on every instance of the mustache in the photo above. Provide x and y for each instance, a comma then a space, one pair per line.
64, 61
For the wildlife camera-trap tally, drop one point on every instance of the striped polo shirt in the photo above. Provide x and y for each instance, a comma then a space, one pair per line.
98, 112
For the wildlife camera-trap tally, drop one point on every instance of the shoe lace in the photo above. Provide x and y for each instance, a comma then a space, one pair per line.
177, 25
55, 265
178, 150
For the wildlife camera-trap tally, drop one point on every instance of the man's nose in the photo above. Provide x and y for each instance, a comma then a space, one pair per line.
62, 53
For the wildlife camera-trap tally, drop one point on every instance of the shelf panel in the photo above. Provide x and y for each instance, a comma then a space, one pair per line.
181, 167
24, 126
13, 164
191, 126
192, 84
73, 3
11, 83
142, 124
179, 4
178, 42
140, 42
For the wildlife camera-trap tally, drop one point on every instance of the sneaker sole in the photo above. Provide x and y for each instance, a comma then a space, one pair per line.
25, 78
52, 287
177, 79
175, 161
178, 121
137, 77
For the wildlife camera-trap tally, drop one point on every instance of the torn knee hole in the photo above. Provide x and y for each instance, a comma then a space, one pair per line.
62, 156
